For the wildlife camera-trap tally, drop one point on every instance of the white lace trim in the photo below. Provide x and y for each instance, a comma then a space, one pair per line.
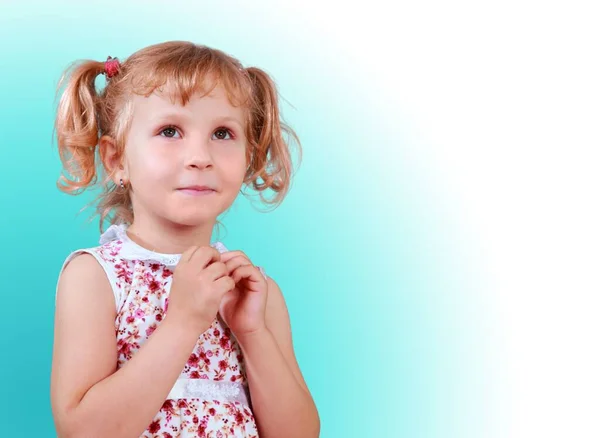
132, 251
208, 390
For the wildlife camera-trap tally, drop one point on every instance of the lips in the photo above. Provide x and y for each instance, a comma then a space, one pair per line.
197, 190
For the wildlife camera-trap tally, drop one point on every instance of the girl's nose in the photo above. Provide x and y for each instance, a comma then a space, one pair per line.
198, 156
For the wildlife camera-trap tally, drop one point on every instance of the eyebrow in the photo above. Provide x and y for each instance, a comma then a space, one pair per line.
170, 115
230, 119
182, 115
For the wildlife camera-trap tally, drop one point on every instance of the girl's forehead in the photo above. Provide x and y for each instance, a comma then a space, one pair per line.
162, 103
169, 97
182, 88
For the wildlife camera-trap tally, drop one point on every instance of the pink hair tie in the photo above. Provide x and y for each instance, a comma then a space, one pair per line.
111, 66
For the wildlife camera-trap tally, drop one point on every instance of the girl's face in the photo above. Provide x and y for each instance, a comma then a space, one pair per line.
185, 164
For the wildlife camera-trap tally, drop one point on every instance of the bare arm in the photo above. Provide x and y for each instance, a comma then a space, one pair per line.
280, 398
90, 398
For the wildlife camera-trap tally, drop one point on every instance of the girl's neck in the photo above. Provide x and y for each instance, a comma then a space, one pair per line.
169, 238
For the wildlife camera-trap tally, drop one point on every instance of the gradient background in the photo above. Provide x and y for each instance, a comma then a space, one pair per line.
439, 248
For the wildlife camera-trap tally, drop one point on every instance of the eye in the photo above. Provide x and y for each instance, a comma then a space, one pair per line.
222, 133
169, 132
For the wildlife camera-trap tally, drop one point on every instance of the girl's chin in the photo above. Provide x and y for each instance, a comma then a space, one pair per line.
192, 218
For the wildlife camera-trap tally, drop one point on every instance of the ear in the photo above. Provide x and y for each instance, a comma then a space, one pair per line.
112, 159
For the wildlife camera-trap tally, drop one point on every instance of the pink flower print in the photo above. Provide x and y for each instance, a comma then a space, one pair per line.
154, 286
205, 357
123, 273
239, 418
154, 427
203, 425
151, 283
112, 250
124, 348
139, 313
150, 330
193, 360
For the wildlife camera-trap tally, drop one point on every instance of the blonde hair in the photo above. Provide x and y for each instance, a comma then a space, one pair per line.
84, 115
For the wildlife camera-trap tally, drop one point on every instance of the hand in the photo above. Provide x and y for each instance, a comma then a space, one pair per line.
200, 280
243, 307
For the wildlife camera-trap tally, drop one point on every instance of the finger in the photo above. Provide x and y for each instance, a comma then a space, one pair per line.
236, 262
205, 256
225, 284
187, 255
217, 270
231, 254
247, 272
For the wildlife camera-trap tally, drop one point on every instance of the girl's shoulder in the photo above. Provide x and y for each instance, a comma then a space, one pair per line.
100, 262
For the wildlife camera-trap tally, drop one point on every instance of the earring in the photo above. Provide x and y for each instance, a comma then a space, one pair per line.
121, 183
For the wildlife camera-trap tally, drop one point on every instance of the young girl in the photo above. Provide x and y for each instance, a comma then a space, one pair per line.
158, 332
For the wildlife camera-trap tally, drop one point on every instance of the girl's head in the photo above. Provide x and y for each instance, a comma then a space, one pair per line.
172, 118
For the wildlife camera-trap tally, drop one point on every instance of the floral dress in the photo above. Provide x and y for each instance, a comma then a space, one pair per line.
210, 398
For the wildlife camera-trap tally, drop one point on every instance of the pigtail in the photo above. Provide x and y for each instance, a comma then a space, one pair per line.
76, 126
269, 157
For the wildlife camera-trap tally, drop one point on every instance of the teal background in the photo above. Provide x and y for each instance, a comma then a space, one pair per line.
371, 256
